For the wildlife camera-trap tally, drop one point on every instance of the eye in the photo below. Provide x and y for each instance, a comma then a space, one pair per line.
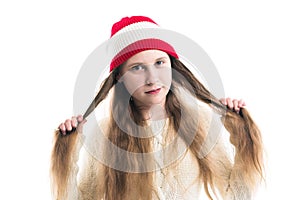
160, 62
137, 68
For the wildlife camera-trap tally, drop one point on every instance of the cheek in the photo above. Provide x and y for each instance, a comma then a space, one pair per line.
165, 77
132, 83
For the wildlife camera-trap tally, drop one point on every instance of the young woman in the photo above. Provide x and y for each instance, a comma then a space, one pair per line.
160, 134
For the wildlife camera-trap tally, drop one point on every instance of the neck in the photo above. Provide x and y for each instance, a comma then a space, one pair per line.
152, 112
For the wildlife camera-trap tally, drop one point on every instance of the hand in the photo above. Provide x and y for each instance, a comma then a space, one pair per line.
70, 125
233, 104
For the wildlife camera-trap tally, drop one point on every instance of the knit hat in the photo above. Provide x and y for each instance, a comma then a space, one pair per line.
130, 36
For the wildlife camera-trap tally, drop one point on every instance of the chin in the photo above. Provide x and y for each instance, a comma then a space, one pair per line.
160, 101
151, 101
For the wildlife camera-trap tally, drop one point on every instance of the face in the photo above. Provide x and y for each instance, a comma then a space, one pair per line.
147, 77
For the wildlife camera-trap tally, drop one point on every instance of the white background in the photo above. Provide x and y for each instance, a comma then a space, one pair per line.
254, 44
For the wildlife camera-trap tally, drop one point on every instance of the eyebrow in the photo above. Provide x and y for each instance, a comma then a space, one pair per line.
140, 63
133, 64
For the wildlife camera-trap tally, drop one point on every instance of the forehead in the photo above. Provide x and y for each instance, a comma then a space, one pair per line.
146, 56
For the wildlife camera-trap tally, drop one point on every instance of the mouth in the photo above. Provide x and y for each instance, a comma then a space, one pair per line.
155, 91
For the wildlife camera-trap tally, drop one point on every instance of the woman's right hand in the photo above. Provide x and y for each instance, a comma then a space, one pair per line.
70, 125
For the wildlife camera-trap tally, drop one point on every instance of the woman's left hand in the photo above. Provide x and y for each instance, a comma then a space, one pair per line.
233, 104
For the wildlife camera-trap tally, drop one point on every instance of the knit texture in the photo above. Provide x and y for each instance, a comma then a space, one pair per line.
179, 180
126, 21
132, 35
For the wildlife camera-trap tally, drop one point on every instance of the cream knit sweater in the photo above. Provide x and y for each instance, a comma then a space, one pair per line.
179, 180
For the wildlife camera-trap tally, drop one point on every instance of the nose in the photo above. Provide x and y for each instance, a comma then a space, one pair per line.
151, 75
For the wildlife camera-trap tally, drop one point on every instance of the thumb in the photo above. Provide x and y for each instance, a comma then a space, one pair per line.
80, 125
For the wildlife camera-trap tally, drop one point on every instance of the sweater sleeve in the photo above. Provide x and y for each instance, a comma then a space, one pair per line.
86, 174
230, 180
90, 176
73, 192
237, 189
229, 177
90, 180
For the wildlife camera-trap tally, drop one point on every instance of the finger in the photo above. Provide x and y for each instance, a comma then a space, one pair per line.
80, 125
74, 122
79, 118
62, 128
223, 101
229, 103
236, 105
242, 103
68, 125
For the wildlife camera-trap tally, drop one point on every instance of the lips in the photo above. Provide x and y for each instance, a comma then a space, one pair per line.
155, 91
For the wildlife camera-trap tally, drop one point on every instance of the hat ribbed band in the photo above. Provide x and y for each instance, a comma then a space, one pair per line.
139, 46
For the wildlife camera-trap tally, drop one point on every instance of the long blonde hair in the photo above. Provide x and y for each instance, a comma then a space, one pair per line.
244, 135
